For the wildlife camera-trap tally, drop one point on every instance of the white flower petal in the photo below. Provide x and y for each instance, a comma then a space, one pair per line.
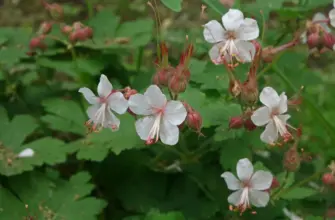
235, 197
244, 169
214, 53
169, 133
261, 116
104, 86
28, 152
261, 180
143, 126
284, 118
269, 97
175, 112
89, 95
111, 121
245, 51
321, 17
270, 134
334, 3
259, 198
118, 103
92, 111
332, 17
248, 30
291, 215
155, 96
232, 20
232, 182
213, 32
282, 103
139, 104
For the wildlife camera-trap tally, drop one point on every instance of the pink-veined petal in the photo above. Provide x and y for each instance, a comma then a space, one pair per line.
143, 126
104, 86
261, 116
111, 121
92, 111
213, 32
139, 104
215, 53
235, 197
248, 30
169, 133
118, 103
269, 97
244, 169
28, 152
270, 134
282, 103
155, 97
175, 112
261, 180
232, 20
232, 182
284, 118
258, 198
89, 95
245, 51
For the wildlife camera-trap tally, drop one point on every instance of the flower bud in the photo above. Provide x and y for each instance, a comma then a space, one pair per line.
236, 122
249, 125
56, 11
194, 120
45, 28
177, 84
162, 76
292, 160
37, 43
187, 106
313, 40
328, 178
66, 29
129, 93
249, 92
275, 183
328, 40
257, 45
89, 32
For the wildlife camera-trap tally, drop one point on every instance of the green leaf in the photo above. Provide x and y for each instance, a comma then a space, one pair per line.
50, 197
67, 66
64, 115
156, 215
97, 145
174, 5
285, 178
299, 193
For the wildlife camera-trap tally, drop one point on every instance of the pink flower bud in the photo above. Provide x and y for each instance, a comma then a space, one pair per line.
187, 107
89, 32
194, 120
56, 10
67, 29
37, 43
236, 122
313, 40
292, 159
275, 183
249, 125
328, 40
177, 84
328, 178
257, 45
45, 27
163, 75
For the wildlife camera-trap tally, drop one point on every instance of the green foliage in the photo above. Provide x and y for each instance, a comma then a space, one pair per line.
174, 5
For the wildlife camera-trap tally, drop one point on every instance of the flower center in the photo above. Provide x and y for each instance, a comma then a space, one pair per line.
244, 202
98, 119
231, 35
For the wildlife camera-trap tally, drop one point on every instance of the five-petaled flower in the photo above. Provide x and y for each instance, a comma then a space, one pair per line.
161, 119
100, 112
232, 40
250, 188
272, 115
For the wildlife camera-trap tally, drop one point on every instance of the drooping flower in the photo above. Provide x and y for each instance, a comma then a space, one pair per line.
28, 152
272, 115
161, 117
100, 112
249, 187
232, 41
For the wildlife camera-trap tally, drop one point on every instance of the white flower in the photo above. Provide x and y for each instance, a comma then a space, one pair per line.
100, 111
332, 15
250, 186
232, 40
161, 116
272, 115
28, 152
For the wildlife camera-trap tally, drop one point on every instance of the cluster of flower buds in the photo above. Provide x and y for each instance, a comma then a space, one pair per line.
77, 32
329, 178
56, 11
244, 120
193, 118
175, 78
38, 42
